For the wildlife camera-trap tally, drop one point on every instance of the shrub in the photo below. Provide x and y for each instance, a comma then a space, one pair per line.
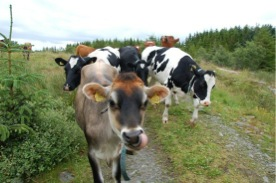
55, 137
252, 56
222, 57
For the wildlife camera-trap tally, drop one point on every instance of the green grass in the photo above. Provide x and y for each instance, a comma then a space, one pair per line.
197, 154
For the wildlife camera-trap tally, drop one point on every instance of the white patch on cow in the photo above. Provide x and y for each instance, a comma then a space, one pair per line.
210, 80
103, 55
73, 62
174, 55
142, 66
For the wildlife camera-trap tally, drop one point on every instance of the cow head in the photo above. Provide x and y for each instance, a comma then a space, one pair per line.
72, 69
149, 43
127, 101
204, 82
168, 41
140, 67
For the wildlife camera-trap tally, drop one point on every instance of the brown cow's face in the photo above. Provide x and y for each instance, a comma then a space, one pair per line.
128, 98
168, 41
149, 43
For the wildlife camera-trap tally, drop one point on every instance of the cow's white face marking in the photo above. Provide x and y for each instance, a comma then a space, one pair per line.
73, 62
210, 80
143, 66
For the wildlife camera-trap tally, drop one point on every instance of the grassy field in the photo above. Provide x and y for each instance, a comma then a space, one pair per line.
242, 100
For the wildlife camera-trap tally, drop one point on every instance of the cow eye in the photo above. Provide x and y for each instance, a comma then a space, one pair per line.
113, 105
144, 105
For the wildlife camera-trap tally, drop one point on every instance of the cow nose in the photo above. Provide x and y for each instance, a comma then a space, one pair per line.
132, 137
135, 140
206, 103
66, 87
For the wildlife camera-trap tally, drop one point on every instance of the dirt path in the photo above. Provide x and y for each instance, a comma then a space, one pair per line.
151, 166
264, 167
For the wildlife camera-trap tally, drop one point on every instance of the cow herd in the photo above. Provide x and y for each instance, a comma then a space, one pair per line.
113, 92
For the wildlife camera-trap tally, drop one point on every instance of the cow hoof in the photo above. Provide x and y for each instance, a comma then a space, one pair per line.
165, 120
192, 124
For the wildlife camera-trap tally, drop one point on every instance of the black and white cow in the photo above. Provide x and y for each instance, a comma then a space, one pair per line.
130, 61
181, 74
109, 55
72, 69
74, 65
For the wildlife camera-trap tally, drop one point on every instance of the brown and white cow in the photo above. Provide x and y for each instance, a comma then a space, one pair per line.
111, 114
149, 43
83, 50
168, 41
27, 49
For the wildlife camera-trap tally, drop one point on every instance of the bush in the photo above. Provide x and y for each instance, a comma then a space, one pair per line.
222, 57
55, 137
252, 57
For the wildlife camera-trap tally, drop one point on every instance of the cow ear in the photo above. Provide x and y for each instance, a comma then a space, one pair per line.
60, 61
157, 93
95, 92
89, 60
197, 71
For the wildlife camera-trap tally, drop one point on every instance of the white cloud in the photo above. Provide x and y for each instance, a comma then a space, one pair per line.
51, 22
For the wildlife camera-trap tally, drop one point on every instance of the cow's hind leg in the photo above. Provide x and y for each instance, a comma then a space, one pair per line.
96, 169
168, 101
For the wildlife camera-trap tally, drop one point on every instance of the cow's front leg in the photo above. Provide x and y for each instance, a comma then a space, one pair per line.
176, 100
116, 169
168, 102
96, 169
195, 112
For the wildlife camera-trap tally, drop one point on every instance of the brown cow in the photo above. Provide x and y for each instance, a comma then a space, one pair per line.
27, 48
83, 50
110, 109
168, 41
149, 43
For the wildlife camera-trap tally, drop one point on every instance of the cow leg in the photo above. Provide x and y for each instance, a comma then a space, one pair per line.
195, 113
95, 166
28, 56
116, 169
176, 100
168, 102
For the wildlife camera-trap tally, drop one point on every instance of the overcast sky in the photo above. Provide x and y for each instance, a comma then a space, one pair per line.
49, 23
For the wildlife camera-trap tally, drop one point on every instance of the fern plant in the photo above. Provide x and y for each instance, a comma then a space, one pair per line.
16, 108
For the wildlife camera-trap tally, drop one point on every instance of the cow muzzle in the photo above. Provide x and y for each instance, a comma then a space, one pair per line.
205, 103
135, 140
66, 87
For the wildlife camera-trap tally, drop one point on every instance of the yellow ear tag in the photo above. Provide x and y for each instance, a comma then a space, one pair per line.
155, 99
99, 98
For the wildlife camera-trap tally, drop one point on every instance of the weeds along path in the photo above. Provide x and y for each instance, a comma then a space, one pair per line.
264, 166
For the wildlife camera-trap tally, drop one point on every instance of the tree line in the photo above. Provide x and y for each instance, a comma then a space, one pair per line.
250, 48
245, 47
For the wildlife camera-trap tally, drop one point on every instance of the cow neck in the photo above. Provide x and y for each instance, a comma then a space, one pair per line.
191, 82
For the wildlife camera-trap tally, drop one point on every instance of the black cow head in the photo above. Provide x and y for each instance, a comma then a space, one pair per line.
72, 69
140, 67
